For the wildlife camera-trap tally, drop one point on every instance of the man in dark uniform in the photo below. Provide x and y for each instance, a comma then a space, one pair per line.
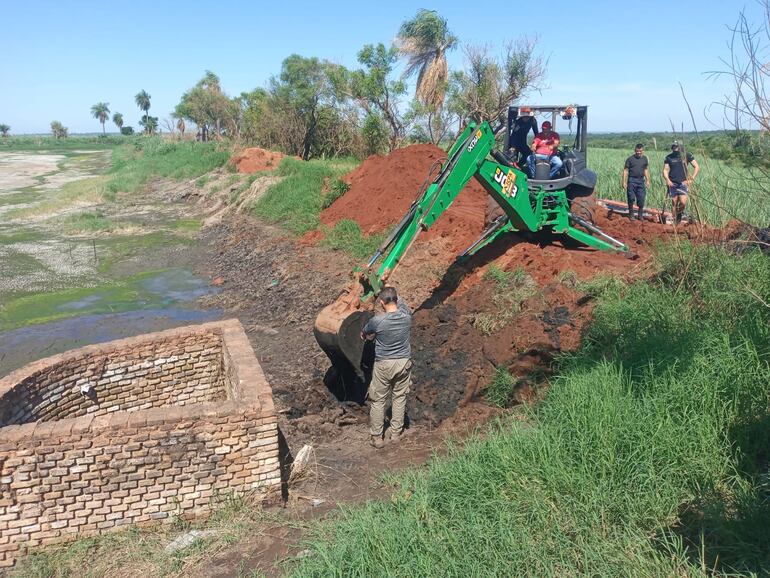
636, 179
677, 179
520, 131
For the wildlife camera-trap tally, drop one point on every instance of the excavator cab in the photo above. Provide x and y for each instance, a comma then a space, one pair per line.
571, 122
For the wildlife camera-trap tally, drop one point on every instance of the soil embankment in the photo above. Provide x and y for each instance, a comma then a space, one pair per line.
251, 160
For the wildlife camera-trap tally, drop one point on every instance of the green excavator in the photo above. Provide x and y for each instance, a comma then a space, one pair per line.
528, 204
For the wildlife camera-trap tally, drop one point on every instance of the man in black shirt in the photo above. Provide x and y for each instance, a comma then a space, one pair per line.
636, 177
677, 179
520, 130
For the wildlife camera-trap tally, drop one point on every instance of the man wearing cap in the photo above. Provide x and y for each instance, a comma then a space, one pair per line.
545, 145
677, 179
636, 177
520, 131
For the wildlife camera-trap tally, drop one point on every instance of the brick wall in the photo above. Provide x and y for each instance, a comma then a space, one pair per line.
60, 479
125, 375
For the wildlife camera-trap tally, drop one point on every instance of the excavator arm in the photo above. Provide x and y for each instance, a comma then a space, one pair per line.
338, 326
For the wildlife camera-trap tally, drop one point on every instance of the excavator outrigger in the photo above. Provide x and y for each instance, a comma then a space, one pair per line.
526, 208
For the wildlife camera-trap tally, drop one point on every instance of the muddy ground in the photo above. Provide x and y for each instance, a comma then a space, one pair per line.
276, 286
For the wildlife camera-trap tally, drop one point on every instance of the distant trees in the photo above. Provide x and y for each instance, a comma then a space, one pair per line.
377, 93
58, 129
101, 111
117, 119
150, 123
314, 107
209, 108
4, 129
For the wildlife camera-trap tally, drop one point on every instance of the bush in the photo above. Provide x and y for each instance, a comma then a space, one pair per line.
127, 130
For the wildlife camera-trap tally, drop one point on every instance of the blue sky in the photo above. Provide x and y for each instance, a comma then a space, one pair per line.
624, 59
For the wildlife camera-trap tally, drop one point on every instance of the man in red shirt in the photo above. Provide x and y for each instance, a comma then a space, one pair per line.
545, 145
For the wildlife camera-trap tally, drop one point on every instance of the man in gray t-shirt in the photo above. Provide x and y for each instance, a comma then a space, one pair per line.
391, 376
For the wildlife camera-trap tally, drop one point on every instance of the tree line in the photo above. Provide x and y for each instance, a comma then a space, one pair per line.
314, 107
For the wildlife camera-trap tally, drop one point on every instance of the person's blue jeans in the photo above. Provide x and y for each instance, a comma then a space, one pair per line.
555, 161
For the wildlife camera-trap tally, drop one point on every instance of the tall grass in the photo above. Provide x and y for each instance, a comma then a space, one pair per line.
134, 165
647, 458
346, 236
49, 143
297, 200
722, 190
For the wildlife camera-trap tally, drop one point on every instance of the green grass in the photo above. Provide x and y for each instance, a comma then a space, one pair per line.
500, 388
346, 236
336, 190
48, 143
600, 284
510, 290
722, 191
86, 222
187, 225
134, 165
126, 294
648, 457
136, 551
85, 191
297, 200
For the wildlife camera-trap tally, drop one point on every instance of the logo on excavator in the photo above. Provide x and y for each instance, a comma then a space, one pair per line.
475, 140
507, 182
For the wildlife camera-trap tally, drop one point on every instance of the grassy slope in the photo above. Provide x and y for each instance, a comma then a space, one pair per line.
647, 458
134, 165
297, 200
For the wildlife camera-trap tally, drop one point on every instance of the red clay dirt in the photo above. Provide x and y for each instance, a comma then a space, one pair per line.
255, 159
453, 359
383, 187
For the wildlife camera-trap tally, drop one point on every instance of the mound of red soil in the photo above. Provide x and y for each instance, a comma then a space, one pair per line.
383, 187
256, 159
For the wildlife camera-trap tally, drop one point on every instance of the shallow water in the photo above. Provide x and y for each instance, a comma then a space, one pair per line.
21, 346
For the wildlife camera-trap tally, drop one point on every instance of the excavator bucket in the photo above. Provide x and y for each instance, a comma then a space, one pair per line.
338, 331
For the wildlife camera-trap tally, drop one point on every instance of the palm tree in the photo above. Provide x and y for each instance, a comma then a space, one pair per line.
5, 129
101, 110
117, 118
424, 41
143, 101
58, 129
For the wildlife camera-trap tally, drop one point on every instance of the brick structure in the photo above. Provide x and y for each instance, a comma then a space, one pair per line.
133, 431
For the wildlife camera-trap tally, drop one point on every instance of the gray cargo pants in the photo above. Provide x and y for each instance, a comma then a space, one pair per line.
390, 377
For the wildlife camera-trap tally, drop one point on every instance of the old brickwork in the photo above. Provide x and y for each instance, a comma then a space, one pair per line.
60, 479
176, 370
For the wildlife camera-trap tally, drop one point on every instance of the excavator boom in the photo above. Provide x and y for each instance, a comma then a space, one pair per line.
338, 326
